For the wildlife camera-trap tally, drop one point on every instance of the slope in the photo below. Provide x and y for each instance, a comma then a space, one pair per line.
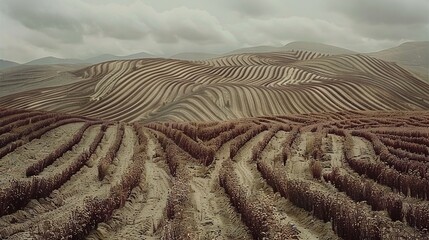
242, 85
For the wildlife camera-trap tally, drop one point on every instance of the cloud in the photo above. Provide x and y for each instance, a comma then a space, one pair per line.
279, 31
79, 23
84, 28
385, 19
384, 12
254, 8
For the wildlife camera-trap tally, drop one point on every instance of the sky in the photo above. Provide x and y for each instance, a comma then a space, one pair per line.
87, 28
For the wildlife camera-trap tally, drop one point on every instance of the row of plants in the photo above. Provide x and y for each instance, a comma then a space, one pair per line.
41, 164
402, 165
197, 150
81, 220
174, 154
20, 192
19, 120
11, 146
256, 213
181, 223
225, 136
287, 144
349, 220
261, 145
104, 163
238, 142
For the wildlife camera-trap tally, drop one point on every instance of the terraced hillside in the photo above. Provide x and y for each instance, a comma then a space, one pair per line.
349, 174
236, 86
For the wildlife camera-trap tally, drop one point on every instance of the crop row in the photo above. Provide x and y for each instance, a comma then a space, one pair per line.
39, 165
19, 192
349, 220
99, 208
256, 213
199, 151
104, 163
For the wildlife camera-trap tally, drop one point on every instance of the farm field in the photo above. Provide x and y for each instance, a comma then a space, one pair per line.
334, 175
224, 88
214, 120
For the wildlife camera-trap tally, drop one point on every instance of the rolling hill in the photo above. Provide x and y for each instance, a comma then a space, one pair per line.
54, 61
230, 87
7, 64
194, 56
295, 46
285, 144
29, 77
413, 56
111, 57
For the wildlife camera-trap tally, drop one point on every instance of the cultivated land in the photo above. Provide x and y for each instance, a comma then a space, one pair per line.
280, 145
231, 87
355, 175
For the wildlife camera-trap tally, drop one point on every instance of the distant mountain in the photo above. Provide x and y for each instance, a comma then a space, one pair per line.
55, 60
303, 46
93, 60
414, 56
6, 64
101, 58
138, 56
316, 47
410, 53
194, 56
111, 57
257, 49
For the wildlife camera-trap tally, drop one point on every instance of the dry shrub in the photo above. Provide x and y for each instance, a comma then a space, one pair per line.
286, 151
316, 169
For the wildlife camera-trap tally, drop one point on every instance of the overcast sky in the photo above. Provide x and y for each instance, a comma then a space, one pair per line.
84, 28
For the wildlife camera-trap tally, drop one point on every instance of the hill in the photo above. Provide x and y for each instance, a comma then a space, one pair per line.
413, 56
30, 77
194, 56
236, 86
7, 64
54, 60
311, 176
110, 57
316, 47
295, 46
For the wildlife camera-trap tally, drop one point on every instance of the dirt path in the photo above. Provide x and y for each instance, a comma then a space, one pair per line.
243, 156
123, 157
214, 214
363, 149
337, 153
297, 164
144, 212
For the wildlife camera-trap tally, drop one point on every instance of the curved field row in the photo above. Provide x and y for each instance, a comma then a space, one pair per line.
236, 86
302, 176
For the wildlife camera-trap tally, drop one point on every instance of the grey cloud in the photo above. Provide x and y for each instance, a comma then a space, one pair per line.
84, 28
385, 12
253, 7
